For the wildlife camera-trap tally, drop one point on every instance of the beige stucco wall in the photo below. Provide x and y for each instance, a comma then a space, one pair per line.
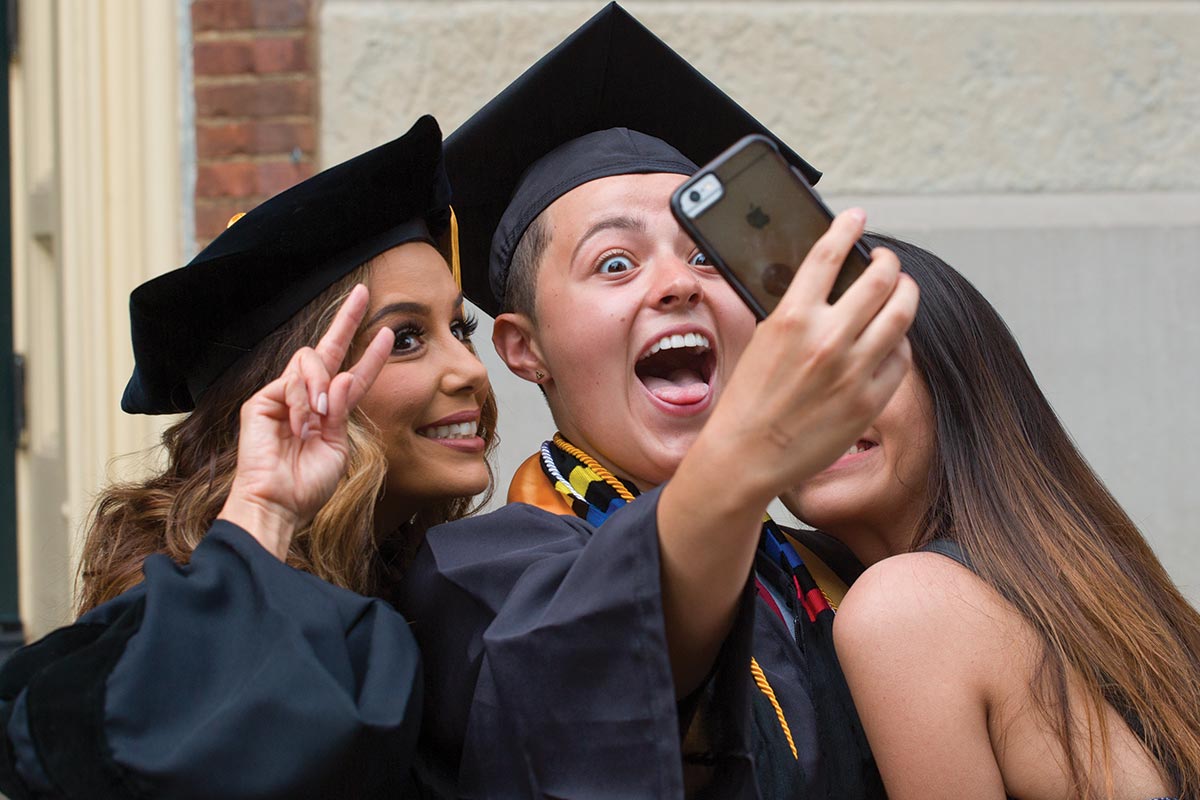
1051, 150
884, 96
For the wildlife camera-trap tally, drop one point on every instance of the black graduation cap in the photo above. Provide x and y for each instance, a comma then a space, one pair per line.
191, 324
611, 73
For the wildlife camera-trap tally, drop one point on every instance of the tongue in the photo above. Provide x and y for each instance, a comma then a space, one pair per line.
681, 387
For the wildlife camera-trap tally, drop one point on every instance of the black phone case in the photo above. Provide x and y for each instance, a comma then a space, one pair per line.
760, 230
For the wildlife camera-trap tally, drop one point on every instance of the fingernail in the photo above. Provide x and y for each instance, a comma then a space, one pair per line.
323, 403
857, 214
305, 429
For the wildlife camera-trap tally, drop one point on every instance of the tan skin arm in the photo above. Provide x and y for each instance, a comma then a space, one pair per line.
812, 379
942, 668
911, 639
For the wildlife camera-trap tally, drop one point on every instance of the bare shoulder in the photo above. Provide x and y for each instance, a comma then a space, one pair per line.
918, 637
916, 588
928, 609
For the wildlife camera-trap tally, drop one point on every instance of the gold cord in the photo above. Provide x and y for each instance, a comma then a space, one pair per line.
760, 679
455, 266
594, 466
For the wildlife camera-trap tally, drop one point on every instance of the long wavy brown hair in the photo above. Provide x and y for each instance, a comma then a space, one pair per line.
1010, 487
170, 512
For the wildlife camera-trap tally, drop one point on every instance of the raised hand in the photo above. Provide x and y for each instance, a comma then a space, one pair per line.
816, 375
293, 446
812, 379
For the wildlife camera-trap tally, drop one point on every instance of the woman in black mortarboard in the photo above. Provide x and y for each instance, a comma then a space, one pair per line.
224, 672
615, 631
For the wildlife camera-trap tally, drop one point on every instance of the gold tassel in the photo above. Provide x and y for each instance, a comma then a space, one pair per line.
455, 268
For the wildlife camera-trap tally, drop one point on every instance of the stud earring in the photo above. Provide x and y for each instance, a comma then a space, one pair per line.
539, 375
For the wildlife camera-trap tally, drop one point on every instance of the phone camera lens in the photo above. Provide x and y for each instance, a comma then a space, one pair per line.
694, 196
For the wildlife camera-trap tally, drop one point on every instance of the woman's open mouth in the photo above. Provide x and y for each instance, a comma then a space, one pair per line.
861, 446
461, 430
678, 368
458, 432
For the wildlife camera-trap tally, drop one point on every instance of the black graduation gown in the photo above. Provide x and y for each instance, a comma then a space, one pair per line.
235, 676
548, 672
547, 665
786, 663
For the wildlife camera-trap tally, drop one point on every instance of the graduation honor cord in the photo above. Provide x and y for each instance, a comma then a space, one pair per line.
594, 494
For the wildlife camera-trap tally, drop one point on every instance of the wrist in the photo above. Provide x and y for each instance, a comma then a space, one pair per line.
732, 478
271, 524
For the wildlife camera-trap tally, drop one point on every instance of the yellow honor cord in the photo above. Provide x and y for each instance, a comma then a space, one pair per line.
760, 678
595, 467
455, 268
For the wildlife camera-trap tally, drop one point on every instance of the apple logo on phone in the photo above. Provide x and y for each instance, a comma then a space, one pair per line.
758, 218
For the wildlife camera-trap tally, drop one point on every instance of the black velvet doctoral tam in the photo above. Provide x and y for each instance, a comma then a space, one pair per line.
190, 325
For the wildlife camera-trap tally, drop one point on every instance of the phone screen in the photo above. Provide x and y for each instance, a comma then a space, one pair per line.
757, 220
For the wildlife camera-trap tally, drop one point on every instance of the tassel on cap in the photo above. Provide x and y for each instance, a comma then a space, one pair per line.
455, 267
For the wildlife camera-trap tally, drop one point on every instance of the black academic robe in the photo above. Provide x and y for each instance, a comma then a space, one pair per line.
785, 661
547, 665
548, 674
235, 676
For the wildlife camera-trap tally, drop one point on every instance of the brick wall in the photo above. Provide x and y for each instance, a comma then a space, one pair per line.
256, 104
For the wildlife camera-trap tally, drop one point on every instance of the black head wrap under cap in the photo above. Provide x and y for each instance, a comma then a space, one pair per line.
603, 154
192, 324
518, 150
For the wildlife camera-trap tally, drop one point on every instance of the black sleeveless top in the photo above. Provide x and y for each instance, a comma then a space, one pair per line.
952, 550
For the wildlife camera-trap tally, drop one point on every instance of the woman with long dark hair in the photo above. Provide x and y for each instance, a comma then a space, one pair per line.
235, 640
1014, 634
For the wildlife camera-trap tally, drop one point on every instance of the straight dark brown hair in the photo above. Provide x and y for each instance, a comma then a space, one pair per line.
1010, 487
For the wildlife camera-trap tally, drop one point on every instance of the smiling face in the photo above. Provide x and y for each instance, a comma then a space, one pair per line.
634, 333
873, 497
427, 400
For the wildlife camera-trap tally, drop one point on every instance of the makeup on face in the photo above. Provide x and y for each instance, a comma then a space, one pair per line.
427, 400
873, 495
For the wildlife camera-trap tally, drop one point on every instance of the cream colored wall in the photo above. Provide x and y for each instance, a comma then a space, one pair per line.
96, 185
1050, 149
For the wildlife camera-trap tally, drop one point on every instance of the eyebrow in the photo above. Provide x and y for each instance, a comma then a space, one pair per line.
398, 308
621, 223
419, 309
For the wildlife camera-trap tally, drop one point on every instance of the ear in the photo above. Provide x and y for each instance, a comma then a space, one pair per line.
512, 336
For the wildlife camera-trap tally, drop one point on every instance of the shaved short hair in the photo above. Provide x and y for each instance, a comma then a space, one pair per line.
520, 289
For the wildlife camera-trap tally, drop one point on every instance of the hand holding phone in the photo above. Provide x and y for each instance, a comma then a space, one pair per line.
756, 218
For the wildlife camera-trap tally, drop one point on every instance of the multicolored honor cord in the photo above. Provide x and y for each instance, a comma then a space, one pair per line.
812, 598
595, 494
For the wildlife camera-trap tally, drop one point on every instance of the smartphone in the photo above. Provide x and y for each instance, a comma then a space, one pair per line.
756, 218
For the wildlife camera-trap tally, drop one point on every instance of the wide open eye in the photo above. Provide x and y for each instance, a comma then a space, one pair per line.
698, 259
408, 340
615, 264
463, 329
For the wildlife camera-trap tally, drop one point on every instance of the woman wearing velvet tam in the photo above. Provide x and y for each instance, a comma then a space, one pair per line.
230, 668
628, 626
